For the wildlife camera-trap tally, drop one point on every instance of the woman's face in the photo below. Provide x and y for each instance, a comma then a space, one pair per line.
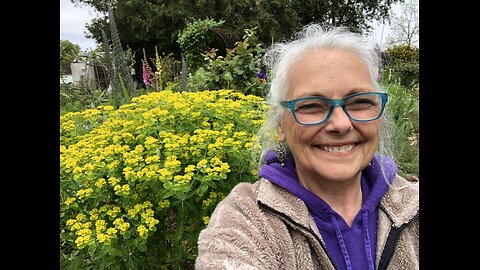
338, 149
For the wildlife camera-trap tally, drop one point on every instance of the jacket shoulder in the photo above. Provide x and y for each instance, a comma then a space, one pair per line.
237, 235
401, 201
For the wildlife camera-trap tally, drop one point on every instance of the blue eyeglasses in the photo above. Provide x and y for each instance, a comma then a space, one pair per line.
360, 107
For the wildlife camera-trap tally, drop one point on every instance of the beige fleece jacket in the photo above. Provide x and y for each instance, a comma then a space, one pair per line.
263, 226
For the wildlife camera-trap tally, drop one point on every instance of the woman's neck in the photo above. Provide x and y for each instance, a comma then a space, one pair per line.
343, 197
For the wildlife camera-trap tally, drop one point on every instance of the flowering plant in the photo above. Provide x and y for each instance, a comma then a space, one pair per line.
146, 71
239, 69
139, 183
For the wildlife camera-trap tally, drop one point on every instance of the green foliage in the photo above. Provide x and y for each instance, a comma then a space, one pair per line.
193, 40
402, 54
403, 108
80, 97
68, 53
238, 70
138, 183
87, 93
126, 96
146, 24
166, 70
403, 63
121, 69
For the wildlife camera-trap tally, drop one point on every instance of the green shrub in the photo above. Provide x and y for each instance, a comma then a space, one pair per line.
403, 63
239, 69
138, 183
193, 40
82, 96
403, 108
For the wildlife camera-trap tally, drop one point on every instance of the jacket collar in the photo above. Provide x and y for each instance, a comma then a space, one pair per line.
284, 202
400, 203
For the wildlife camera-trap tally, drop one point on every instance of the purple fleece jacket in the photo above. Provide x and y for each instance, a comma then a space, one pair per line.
350, 247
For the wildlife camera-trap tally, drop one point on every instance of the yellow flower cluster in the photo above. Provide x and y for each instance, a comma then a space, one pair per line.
206, 220
69, 201
164, 204
106, 229
103, 233
212, 198
121, 225
84, 193
124, 168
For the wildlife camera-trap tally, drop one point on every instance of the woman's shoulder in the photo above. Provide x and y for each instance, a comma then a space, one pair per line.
401, 202
242, 195
399, 183
244, 190
239, 209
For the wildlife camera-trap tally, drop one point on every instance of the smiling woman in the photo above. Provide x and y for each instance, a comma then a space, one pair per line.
328, 196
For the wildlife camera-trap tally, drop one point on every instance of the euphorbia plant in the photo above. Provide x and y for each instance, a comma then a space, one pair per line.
138, 183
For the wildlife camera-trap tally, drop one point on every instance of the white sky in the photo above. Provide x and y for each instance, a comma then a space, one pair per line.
73, 22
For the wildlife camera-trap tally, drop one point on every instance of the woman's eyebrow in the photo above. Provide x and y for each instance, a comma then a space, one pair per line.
317, 93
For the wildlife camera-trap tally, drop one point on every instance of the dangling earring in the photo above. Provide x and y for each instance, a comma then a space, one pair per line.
281, 153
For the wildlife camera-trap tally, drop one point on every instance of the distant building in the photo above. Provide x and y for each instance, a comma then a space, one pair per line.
85, 70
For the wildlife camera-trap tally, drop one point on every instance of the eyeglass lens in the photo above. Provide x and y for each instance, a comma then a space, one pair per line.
360, 107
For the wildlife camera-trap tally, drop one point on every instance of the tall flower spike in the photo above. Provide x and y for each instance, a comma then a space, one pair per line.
146, 71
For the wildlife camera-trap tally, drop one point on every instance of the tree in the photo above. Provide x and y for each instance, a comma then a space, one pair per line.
405, 25
68, 53
146, 24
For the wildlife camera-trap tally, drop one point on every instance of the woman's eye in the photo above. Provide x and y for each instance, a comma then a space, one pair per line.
362, 102
311, 107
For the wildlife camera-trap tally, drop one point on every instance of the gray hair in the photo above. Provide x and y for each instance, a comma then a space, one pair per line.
280, 57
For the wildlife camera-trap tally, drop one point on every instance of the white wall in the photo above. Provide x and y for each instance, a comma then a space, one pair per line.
82, 71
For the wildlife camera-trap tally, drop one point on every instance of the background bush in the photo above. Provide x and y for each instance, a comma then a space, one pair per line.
193, 40
403, 108
402, 63
240, 68
138, 183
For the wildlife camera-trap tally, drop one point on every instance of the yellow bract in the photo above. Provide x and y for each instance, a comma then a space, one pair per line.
124, 169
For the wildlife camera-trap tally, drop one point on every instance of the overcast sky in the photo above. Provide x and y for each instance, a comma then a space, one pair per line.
73, 22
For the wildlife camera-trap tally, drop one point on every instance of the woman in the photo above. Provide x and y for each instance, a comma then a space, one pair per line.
329, 196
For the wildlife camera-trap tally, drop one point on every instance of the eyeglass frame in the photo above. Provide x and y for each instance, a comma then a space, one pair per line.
290, 104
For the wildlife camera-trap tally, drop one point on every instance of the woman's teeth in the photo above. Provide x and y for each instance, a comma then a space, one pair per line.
337, 149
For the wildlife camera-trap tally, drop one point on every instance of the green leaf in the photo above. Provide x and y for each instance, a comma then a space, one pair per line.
124, 90
77, 263
127, 235
115, 252
212, 184
141, 245
202, 189
91, 250
167, 194
102, 252
167, 185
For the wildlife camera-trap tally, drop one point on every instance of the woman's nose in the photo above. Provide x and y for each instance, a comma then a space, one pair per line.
339, 121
